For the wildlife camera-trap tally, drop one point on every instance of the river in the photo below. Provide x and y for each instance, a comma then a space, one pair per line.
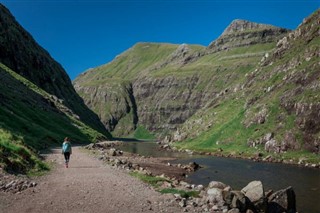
238, 173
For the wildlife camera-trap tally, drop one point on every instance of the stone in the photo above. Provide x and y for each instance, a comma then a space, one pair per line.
272, 146
199, 187
268, 136
215, 196
9, 184
255, 193
166, 184
216, 184
33, 184
238, 200
289, 142
112, 152
234, 210
117, 162
194, 166
283, 201
183, 203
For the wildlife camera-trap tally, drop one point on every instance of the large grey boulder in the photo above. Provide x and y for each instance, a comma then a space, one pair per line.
215, 196
255, 192
283, 201
236, 200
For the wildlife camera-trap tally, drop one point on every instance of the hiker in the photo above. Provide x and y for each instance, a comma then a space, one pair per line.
66, 150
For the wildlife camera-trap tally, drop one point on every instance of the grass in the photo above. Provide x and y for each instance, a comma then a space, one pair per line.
182, 193
16, 157
30, 120
227, 120
229, 78
157, 181
142, 133
153, 181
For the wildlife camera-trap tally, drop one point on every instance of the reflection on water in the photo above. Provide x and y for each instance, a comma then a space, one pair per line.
150, 149
238, 173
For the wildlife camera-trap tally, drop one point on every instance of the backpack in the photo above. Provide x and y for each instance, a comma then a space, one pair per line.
66, 147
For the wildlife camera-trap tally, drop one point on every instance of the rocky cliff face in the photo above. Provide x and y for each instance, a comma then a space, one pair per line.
171, 84
20, 52
243, 33
231, 92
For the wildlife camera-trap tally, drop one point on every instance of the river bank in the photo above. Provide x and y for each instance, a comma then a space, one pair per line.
216, 197
256, 157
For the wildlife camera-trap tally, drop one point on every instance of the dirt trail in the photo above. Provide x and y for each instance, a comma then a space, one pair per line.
86, 186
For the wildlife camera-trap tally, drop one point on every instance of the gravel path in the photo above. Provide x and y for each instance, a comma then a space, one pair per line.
86, 186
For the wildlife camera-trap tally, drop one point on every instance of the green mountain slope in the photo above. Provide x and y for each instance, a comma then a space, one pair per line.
159, 86
38, 104
32, 119
254, 89
20, 52
277, 109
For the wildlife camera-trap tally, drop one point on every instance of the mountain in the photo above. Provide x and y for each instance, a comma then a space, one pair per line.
254, 89
160, 86
243, 33
38, 104
275, 109
20, 52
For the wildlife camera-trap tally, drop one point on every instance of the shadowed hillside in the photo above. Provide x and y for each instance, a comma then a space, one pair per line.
21, 53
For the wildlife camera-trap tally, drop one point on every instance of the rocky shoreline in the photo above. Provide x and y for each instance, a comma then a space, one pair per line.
258, 157
216, 197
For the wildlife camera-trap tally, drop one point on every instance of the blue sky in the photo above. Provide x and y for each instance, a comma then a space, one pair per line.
81, 34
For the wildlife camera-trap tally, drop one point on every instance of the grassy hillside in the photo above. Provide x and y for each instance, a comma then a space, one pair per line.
32, 119
167, 77
21, 53
141, 59
274, 92
254, 81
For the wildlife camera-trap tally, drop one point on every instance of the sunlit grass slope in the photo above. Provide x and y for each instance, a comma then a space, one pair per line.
31, 119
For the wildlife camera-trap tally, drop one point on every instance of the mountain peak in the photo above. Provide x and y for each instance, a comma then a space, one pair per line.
243, 33
239, 25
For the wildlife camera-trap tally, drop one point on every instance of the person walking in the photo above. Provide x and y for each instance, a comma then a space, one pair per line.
66, 150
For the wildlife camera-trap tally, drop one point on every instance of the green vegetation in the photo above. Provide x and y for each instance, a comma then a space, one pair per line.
157, 181
182, 193
154, 181
217, 98
31, 120
16, 157
143, 133
233, 125
228, 133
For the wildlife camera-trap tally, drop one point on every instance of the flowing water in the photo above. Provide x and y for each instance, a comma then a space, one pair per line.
238, 173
